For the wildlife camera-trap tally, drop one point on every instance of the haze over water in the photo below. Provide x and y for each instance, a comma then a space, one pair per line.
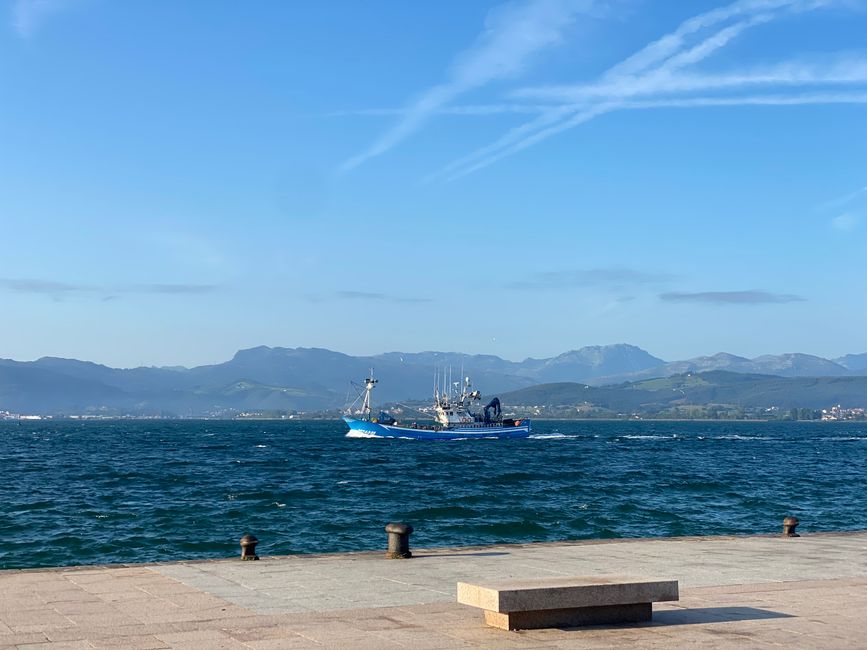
134, 491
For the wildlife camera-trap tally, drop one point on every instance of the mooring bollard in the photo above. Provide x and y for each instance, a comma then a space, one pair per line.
248, 547
398, 540
789, 525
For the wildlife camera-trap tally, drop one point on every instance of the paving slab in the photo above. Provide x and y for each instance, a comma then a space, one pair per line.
759, 592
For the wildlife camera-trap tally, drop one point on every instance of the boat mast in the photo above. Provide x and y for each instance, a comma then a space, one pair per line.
369, 385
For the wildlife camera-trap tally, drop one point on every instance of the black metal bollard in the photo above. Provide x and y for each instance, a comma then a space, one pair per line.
398, 540
248, 547
789, 525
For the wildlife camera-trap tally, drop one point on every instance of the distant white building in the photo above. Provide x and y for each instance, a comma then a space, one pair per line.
837, 412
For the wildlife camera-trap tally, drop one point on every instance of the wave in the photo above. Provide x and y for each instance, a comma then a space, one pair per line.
328, 493
443, 512
649, 437
354, 433
511, 478
511, 529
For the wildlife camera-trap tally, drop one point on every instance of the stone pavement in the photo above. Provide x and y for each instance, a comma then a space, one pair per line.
810, 592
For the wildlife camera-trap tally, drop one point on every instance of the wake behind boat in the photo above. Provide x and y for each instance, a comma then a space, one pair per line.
454, 417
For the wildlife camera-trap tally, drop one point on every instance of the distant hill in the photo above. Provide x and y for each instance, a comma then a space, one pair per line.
783, 365
258, 378
714, 387
305, 379
582, 364
853, 362
31, 389
592, 362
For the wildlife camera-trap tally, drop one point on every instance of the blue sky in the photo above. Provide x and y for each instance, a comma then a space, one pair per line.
180, 180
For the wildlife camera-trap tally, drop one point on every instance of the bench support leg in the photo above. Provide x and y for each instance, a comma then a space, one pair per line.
574, 617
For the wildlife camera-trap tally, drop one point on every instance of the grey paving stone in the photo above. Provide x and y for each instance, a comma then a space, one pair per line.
736, 592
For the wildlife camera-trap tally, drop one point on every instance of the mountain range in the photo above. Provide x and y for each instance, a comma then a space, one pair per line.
715, 387
305, 379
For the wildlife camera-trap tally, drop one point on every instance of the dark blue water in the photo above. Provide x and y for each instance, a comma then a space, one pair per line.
132, 491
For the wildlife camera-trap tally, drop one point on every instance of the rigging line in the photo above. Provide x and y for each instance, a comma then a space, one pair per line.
427, 415
352, 385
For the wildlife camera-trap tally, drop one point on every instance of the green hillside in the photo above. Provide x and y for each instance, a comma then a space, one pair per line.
728, 390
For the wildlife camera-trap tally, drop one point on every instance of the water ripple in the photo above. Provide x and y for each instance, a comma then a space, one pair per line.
126, 491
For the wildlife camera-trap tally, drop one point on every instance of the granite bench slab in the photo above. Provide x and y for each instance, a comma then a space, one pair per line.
567, 601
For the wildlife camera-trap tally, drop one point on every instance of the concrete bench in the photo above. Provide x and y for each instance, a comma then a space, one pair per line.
567, 602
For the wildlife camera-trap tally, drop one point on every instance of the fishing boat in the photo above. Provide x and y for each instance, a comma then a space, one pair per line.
454, 417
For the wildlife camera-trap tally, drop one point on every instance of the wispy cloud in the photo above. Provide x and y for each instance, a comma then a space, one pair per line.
614, 278
753, 100
850, 69
550, 115
530, 133
28, 15
468, 109
853, 203
59, 289
845, 222
360, 295
846, 198
750, 297
369, 296
674, 42
662, 74
171, 288
646, 73
514, 34
511, 138
49, 287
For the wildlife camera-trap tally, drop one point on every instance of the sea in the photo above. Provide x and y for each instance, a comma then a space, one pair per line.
94, 492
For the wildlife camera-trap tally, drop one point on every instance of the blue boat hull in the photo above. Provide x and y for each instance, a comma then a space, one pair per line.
366, 429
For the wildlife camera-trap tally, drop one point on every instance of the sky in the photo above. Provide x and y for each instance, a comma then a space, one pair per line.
179, 180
